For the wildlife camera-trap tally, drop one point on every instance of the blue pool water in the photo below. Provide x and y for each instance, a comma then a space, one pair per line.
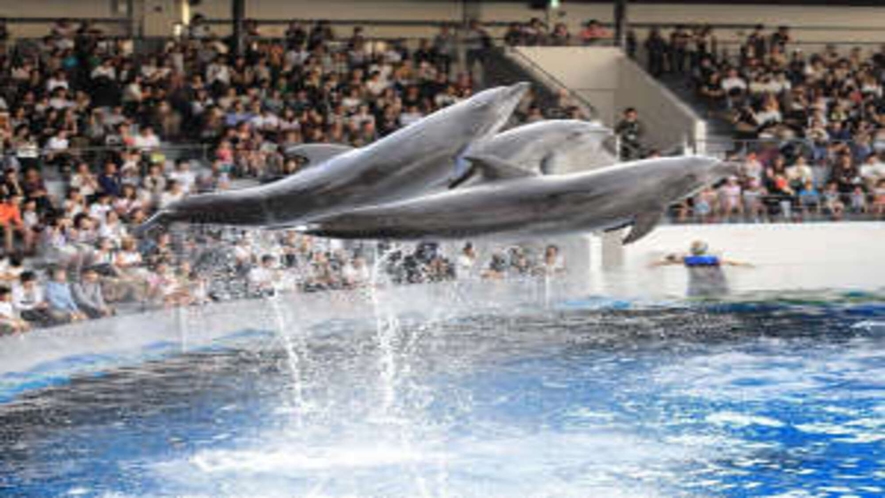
757, 399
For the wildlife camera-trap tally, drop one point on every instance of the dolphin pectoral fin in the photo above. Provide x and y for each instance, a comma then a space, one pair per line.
317, 153
643, 224
491, 168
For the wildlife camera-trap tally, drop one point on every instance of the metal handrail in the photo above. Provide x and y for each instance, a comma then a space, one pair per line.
202, 148
552, 80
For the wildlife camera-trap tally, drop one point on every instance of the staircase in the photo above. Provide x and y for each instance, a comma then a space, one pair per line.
720, 131
500, 68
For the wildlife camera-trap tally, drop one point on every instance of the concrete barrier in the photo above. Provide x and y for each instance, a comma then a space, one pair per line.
785, 258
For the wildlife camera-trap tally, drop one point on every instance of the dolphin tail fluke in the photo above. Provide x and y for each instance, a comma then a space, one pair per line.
643, 224
156, 222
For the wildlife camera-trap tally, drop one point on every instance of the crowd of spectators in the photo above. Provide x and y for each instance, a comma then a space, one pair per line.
810, 127
537, 32
93, 139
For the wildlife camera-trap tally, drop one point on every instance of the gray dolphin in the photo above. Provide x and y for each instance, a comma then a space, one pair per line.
397, 166
550, 146
521, 205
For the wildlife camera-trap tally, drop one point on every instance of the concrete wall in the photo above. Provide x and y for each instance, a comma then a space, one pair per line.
612, 82
786, 257
669, 121
590, 73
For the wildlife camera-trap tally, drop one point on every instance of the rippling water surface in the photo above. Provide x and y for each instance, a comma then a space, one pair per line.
756, 399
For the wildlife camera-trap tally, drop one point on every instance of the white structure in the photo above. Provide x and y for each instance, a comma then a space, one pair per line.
611, 81
785, 258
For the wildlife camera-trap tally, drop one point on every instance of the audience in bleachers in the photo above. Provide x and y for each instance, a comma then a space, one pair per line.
810, 125
95, 135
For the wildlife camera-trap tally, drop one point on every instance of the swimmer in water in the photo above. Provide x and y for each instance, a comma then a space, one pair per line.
705, 275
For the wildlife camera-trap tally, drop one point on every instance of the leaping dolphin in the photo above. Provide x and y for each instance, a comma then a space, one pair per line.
397, 166
550, 146
520, 204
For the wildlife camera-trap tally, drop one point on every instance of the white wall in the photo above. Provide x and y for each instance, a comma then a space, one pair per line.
668, 121
612, 82
588, 72
786, 257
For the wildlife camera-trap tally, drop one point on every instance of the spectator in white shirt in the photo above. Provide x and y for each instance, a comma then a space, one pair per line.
147, 140
264, 277
872, 171
29, 301
10, 321
84, 181
355, 273
173, 193
184, 176
735, 87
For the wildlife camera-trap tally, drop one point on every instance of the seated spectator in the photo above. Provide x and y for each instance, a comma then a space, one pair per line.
844, 175
497, 268
62, 306
799, 173
110, 181
35, 189
711, 91
593, 33
28, 300
754, 200
879, 198
730, 198
734, 87
809, 198
858, 200
10, 321
872, 171
560, 35
355, 273
11, 222
466, 262
264, 278
554, 262
168, 286
706, 207
173, 193
520, 265
832, 201
89, 295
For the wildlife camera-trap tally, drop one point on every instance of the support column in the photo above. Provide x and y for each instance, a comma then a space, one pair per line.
620, 23
238, 17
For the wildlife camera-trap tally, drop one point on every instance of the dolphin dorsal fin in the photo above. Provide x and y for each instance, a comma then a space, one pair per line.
317, 153
643, 223
552, 163
487, 168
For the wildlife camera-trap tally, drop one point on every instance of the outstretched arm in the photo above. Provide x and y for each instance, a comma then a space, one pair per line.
668, 260
730, 262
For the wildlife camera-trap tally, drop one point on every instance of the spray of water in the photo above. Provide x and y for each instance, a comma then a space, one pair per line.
387, 329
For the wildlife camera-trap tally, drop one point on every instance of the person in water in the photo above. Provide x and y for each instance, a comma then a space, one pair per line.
705, 275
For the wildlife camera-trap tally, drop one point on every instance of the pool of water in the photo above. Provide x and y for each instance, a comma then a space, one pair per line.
759, 398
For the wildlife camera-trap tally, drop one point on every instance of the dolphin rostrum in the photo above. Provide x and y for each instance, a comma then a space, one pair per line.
522, 204
394, 167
